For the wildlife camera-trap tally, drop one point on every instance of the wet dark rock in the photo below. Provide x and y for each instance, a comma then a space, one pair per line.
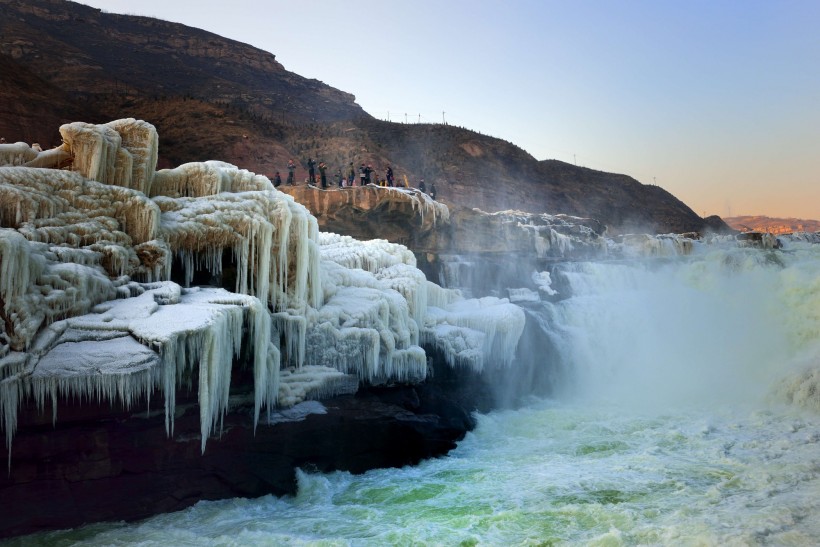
98, 463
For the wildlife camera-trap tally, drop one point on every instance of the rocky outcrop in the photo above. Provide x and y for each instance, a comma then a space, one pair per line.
410, 217
87, 52
211, 97
459, 247
399, 215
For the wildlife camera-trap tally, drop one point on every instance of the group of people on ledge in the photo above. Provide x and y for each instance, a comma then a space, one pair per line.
365, 176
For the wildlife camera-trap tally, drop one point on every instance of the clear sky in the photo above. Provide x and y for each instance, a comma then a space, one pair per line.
718, 102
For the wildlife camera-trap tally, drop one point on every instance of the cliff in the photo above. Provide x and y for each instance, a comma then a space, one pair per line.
66, 62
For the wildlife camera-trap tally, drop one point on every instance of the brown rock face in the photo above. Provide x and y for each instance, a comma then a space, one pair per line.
86, 52
411, 218
214, 98
407, 216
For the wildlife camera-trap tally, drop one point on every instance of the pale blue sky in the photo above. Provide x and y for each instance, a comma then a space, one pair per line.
718, 102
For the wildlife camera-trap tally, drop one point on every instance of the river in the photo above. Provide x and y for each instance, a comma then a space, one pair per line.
686, 412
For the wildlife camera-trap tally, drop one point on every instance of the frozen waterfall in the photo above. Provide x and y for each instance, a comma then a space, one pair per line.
89, 310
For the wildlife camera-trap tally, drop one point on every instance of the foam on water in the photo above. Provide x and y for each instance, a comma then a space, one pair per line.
553, 472
677, 428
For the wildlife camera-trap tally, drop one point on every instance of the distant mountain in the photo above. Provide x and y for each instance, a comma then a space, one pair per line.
215, 98
759, 223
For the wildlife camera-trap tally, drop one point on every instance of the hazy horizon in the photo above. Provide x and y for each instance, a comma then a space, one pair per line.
718, 103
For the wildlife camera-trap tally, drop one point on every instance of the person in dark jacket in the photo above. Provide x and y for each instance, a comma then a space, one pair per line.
433, 190
351, 174
291, 169
362, 175
367, 173
422, 187
311, 171
277, 180
390, 176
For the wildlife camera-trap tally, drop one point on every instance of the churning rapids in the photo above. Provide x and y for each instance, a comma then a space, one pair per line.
687, 412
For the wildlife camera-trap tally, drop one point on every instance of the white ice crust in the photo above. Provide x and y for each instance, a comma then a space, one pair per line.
88, 311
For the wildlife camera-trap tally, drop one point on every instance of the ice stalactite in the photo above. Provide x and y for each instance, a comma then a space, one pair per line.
17, 269
76, 325
266, 360
96, 150
374, 288
475, 332
141, 140
93, 369
424, 204
9, 403
291, 330
269, 236
367, 330
440, 297
96, 356
206, 331
411, 283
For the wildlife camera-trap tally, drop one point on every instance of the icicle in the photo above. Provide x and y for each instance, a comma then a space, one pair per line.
141, 141
9, 402
293, 329
94, 148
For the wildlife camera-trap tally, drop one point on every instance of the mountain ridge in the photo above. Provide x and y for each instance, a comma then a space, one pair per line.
774, 225
215, 98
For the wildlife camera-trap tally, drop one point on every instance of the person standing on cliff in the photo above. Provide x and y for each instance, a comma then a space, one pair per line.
422, 187
389, 176
323, 174
291, 169
351, 174
311, 171
277, 180
362, 175
367, 173
433, 191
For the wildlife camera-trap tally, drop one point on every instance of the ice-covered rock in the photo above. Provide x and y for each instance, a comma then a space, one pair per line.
87, 308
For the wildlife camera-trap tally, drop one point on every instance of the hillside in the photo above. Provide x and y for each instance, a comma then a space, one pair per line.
773, 225
211, 97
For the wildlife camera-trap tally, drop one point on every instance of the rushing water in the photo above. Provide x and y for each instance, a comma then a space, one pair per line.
689, 415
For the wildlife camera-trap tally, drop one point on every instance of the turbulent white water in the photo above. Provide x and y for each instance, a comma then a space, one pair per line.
690, 416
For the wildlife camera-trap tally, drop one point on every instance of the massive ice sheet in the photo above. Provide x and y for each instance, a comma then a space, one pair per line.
87, 309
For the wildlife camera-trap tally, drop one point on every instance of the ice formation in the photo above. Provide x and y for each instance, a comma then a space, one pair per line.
645, 245
475, 332
552, 235
91, 234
